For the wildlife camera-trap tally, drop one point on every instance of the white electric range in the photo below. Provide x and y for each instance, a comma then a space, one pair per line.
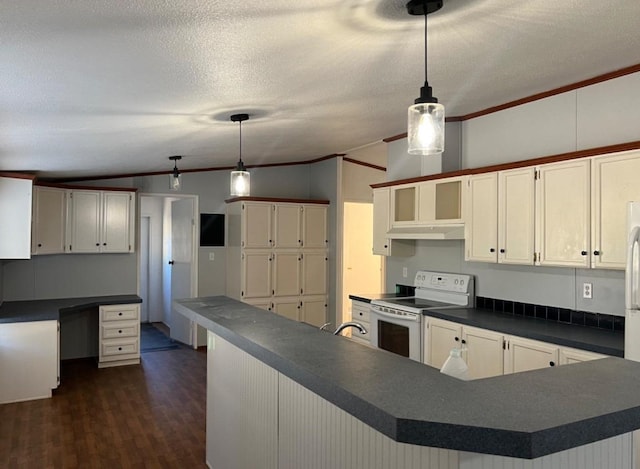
396, 323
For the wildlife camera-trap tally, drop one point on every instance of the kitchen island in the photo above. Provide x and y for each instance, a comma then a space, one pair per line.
282, 394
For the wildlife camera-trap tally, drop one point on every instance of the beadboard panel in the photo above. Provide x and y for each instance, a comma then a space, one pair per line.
316, 434
242, 409
613, 453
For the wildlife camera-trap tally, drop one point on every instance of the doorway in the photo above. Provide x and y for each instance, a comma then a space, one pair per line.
157, 280
363, 272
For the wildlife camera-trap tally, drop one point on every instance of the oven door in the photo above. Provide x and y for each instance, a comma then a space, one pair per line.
397, 334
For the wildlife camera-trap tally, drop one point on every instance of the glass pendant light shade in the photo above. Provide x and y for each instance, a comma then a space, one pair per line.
425, 129
175, 181
240, 182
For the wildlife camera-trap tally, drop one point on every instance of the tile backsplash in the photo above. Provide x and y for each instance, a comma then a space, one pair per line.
551, 313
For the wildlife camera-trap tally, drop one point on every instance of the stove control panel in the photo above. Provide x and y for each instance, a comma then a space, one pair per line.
459, 283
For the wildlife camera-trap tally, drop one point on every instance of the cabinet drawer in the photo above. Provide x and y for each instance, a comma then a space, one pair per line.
119, 312
360, 314
119, 329
117, 348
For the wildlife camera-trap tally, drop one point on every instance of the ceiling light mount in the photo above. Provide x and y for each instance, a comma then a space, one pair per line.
425, 126
240, 177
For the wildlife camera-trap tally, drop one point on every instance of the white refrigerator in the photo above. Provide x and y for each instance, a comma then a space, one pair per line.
632, 284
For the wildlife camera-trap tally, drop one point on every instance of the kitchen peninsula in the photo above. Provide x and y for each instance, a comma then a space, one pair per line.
306, 398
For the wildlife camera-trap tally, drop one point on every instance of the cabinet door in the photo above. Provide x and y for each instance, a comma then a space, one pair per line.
426, 202
287, 226
481, 227
563, 217
256, 274
16, 201
314, 310
286, 274
287, 307
116, 215
442, 336
49, 220
262, 303
615, 182
256, 225
516, 200
404, 205
85, 221
381, 245
570, 355
314, 273
485, 352
360, 311
314, 226
525, 355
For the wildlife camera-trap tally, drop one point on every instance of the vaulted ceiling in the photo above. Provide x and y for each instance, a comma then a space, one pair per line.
98, 87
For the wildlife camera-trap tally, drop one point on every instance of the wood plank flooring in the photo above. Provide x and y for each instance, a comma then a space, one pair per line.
150, 415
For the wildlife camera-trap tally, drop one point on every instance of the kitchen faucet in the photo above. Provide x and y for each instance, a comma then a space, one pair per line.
344, 325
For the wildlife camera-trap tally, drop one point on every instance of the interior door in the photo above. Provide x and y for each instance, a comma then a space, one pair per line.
182, 231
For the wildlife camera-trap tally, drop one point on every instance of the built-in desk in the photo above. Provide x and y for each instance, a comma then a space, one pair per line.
36, 334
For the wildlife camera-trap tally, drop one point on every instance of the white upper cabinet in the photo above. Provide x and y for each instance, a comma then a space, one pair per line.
481, 227
314, 226
614, 183
516, 202
15, 217
49, 220
100, 221
256, 225
440, 201
563, 215
382, 245
287, 226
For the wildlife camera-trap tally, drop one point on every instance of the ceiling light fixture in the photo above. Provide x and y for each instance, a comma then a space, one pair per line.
240, 177
175, 179
425, 129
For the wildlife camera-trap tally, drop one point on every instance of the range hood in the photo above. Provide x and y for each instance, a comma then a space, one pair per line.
449, 231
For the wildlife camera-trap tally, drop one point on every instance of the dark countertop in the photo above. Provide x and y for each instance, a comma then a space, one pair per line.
569, 335
44, 310
523, 415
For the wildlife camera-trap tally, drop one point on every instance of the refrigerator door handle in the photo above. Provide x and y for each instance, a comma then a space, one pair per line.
632, 270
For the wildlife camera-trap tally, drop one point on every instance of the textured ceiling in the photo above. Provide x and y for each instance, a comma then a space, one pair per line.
98, 87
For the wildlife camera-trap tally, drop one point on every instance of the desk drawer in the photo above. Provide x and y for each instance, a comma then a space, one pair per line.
112, 330
119, 312
116, 348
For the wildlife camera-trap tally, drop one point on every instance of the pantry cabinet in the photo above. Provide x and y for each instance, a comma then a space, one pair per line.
563, 215
49, 223
277, 256
614, 182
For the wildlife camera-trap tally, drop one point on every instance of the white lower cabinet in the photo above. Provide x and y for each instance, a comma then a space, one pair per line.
525, 354
29, 360
119, 335
482, 349
360, 314
489, 353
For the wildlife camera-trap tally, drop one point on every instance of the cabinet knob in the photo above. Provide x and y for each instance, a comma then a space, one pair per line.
386, 246
456, 339
97, 244
119, 348
492, 250
552, 363
502, 251
119, 332
39, 245
596, 253
104, 244
584, 253
463, 341
119, 314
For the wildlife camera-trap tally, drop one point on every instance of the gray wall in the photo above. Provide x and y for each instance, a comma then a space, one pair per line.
1, 282
558, 124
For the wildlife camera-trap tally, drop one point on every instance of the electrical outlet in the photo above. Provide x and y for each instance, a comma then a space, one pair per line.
587, 290
212, 256
404, 272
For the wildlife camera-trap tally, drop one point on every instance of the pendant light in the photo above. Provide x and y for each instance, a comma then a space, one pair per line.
175, 179
425, 129
240, 177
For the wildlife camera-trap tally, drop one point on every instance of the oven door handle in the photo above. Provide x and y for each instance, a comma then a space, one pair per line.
411, 318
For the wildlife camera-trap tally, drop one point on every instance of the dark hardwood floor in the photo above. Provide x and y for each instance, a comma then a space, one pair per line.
150, 415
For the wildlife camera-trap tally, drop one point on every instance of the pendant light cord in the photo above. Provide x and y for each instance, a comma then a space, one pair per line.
240, 142
425, 43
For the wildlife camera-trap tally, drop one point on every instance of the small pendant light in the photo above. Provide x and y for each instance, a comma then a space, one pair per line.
175, 179
240, 177
425, 129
